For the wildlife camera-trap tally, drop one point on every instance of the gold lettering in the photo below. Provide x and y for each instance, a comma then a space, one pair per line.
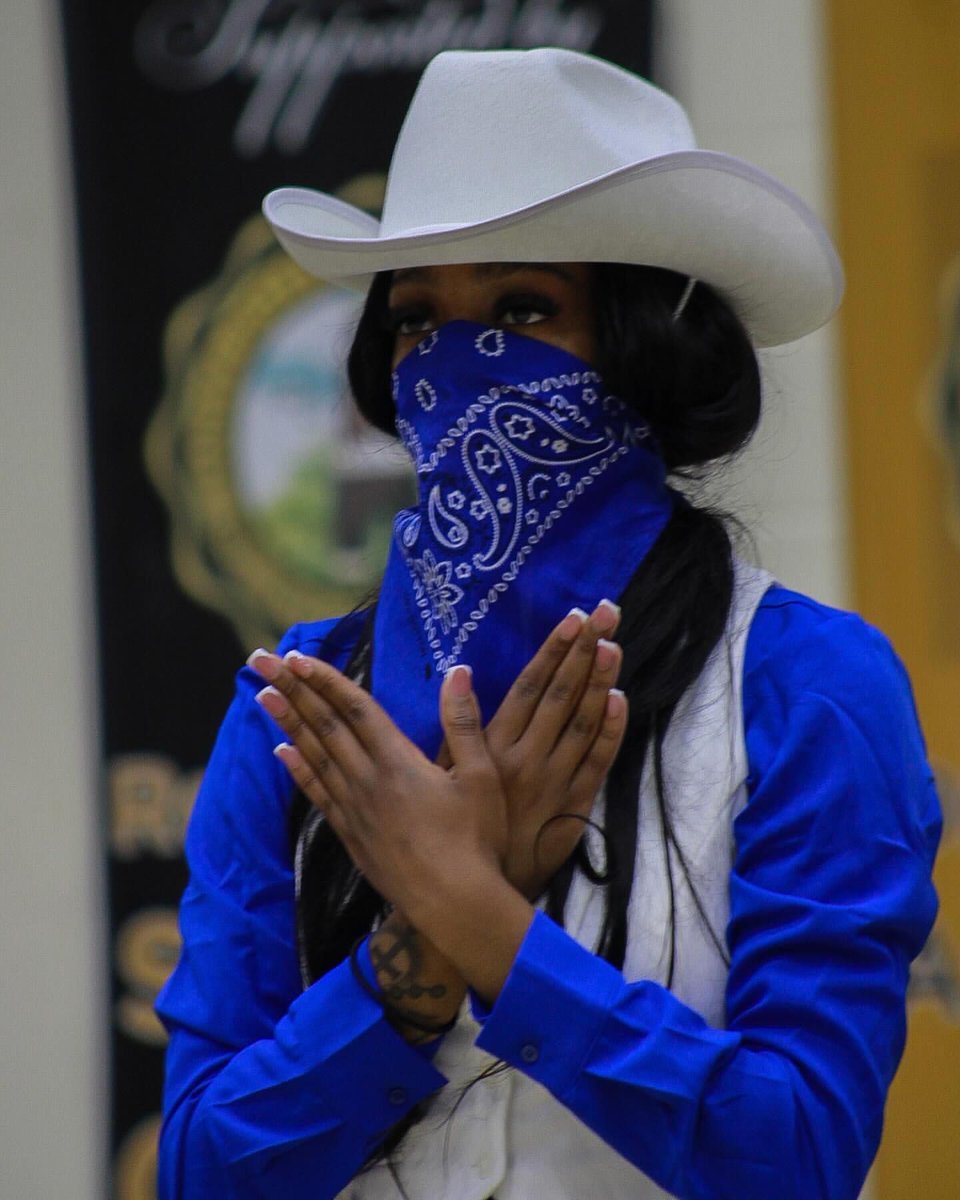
150, 805
135, 1167
146, 950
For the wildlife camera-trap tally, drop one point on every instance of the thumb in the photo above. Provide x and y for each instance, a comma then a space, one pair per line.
443, 756
461, 720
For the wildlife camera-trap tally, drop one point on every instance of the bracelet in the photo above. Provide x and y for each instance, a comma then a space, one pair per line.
394, 1014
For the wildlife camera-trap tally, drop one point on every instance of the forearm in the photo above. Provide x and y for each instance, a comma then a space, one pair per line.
416, 981
475, 918
709, 1114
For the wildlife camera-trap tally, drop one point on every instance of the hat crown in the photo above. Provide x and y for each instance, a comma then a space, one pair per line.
489, 133
554, 156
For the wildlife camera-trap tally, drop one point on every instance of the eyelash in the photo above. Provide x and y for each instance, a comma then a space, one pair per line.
526, 302
517, 302
395, 318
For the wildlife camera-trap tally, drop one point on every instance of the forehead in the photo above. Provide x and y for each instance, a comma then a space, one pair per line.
572, 273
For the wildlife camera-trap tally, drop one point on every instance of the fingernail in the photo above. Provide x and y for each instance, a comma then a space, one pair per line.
270, 699
263, 662
571, 624
297, 662
459, 678
606, 616
616, 702
282, 748
606, 654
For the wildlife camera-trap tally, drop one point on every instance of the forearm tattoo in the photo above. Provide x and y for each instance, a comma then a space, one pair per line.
398, 962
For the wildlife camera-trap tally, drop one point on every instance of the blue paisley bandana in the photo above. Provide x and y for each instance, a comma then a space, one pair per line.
538, 491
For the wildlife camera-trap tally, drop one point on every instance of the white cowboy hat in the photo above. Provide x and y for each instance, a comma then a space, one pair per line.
550, 156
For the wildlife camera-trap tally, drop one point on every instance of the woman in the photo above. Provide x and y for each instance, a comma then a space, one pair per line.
485, 923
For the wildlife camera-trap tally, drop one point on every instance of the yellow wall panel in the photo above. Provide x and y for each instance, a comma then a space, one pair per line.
895, 75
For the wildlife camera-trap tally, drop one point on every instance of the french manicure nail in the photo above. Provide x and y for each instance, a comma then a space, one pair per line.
263, 662
272, 700
606, 653
571, 624
459, 678
297, 662
605, 617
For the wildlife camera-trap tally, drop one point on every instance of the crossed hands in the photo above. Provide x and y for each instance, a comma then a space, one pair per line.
455, 843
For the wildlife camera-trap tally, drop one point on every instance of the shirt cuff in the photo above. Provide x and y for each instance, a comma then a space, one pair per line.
365, 1061
552, 1007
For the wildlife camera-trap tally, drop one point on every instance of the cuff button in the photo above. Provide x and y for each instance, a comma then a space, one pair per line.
529, 1053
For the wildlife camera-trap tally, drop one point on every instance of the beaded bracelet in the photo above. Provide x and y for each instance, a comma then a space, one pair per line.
394, 1014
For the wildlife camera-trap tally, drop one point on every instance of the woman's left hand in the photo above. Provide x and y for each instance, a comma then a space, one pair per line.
404, 820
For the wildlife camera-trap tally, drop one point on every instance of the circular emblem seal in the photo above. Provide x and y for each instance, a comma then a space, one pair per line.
281, 497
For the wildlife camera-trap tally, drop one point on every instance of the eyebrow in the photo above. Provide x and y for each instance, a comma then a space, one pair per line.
497, 269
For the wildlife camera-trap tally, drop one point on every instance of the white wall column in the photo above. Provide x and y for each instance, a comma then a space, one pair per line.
53, 1045
752, 75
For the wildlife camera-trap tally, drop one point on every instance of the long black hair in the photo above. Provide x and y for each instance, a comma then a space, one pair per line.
694, 377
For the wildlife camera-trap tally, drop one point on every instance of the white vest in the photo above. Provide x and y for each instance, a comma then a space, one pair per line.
509, 1137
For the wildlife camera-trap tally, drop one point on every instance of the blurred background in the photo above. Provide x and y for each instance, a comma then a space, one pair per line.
170, 393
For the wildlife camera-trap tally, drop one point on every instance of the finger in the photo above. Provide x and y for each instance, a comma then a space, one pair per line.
581, 730
309, 721
306, 740
462, 722
317, 792
351, 704
276, 671
589, 776
306, 779
566, 687
308, 717
518, 706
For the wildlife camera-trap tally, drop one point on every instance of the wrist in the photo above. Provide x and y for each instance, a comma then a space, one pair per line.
477, 920
419, 990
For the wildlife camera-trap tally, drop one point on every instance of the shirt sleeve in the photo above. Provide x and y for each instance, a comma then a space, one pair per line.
830, 898
270, 1090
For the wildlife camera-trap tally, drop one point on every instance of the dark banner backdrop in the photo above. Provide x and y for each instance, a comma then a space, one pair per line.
234, 491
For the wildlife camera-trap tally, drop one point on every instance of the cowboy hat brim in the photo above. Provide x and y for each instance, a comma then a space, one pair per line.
699, 212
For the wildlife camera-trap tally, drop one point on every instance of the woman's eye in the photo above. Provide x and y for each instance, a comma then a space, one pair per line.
408, 322
525, 310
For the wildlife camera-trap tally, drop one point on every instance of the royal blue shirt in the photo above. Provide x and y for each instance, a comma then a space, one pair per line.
273, 1091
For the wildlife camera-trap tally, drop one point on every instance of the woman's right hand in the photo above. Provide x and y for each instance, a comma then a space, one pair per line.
553, 740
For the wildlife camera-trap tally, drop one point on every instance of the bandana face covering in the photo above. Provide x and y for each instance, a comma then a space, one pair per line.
538, 491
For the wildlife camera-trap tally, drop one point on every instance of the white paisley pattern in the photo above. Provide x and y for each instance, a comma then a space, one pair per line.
496, 481
426, 395
491, 343
436, 590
